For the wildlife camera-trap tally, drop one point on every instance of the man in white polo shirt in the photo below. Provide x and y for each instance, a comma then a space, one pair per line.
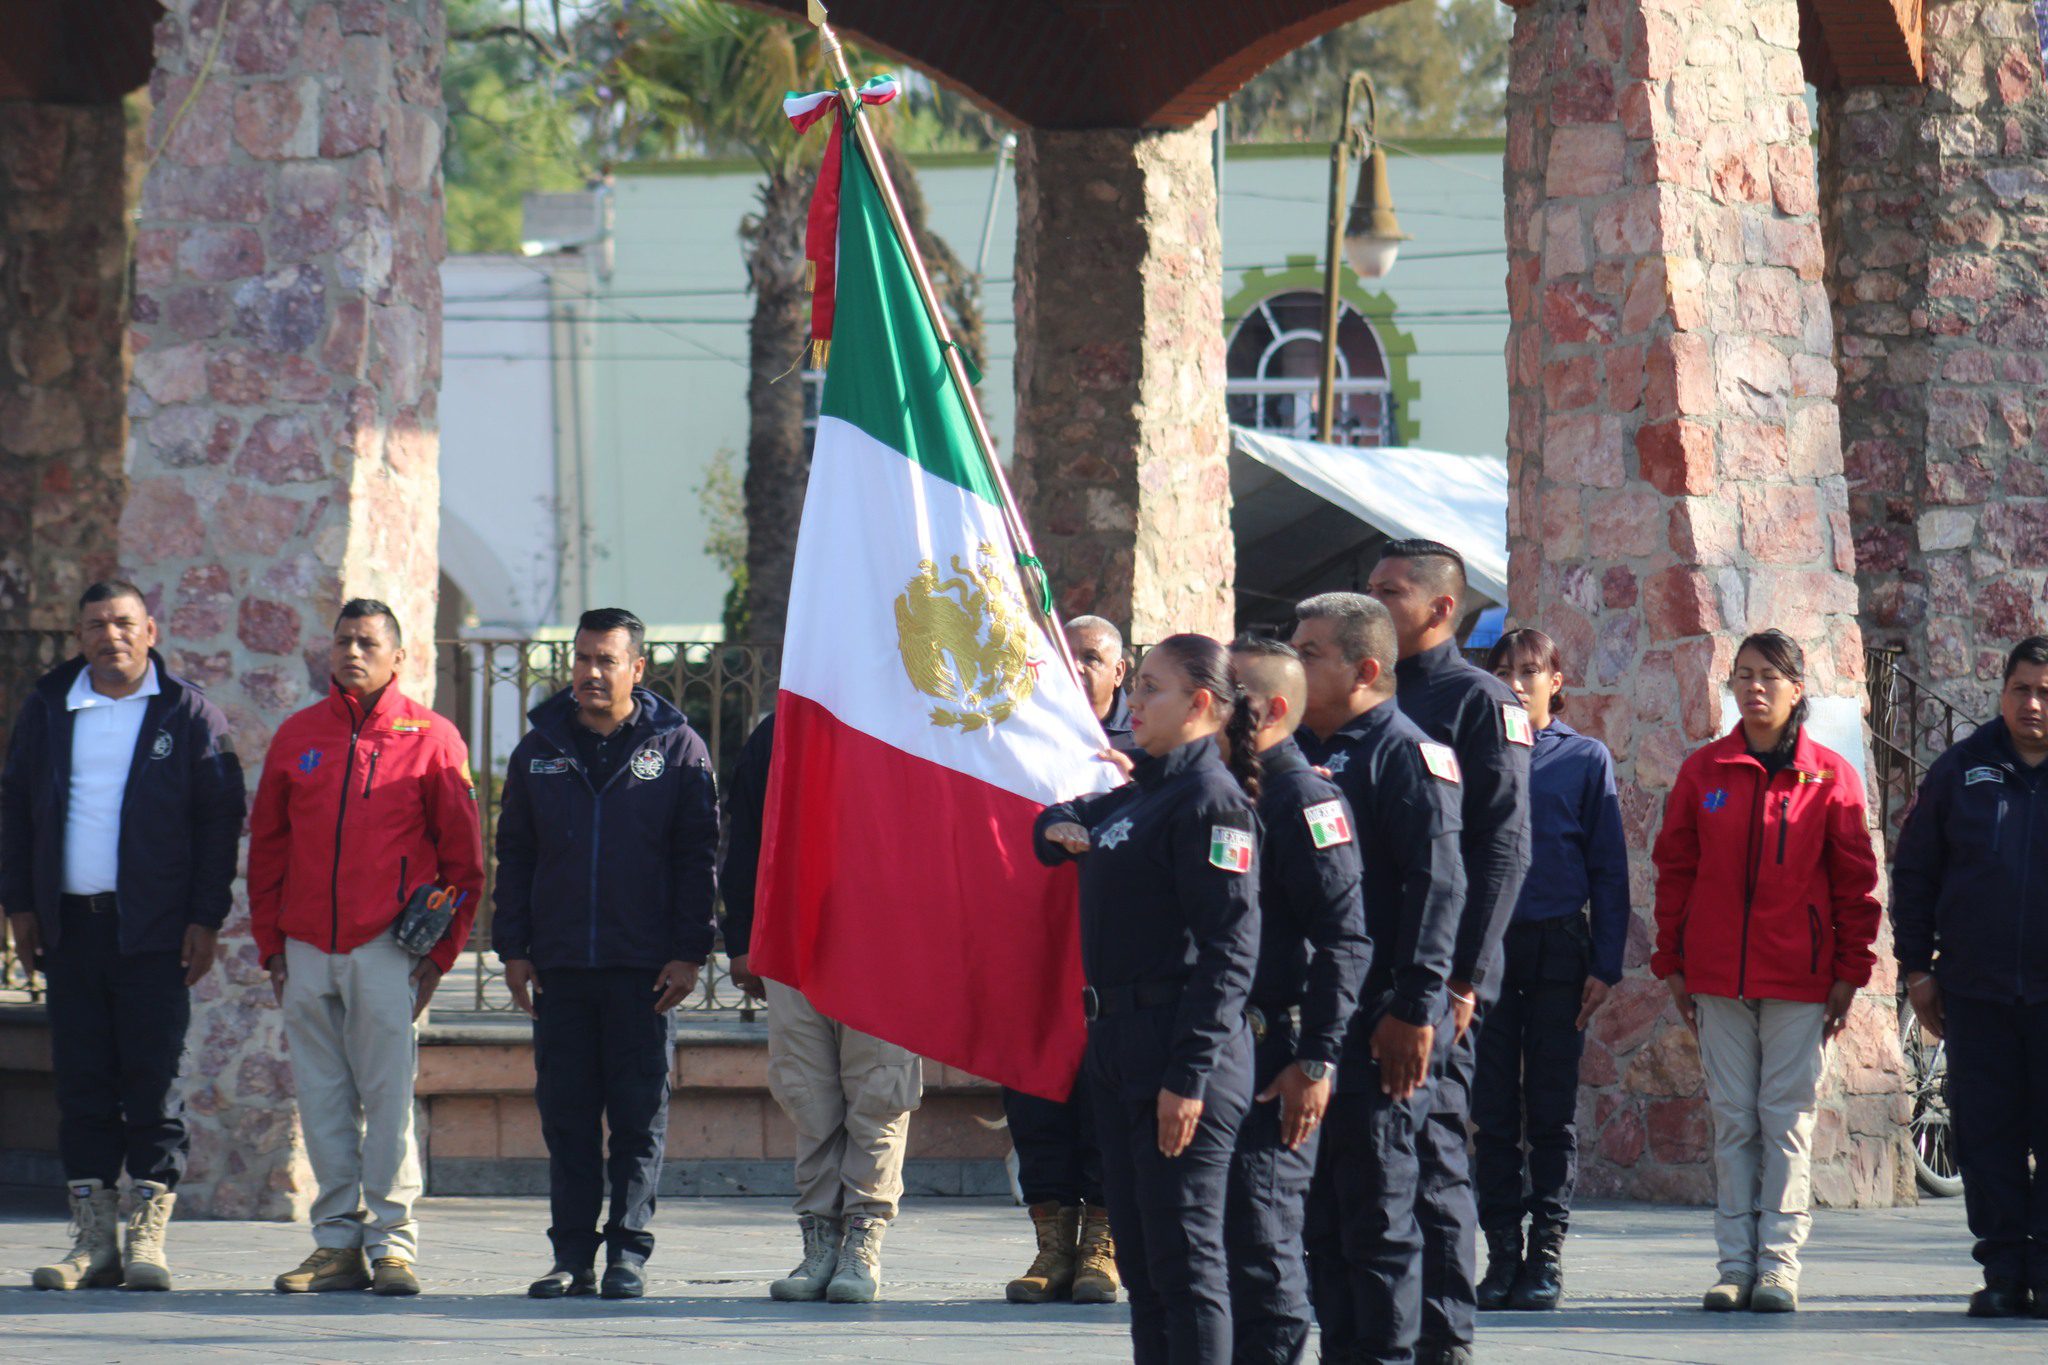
120, 817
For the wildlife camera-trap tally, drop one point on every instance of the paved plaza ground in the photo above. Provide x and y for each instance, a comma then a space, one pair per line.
1879, 1286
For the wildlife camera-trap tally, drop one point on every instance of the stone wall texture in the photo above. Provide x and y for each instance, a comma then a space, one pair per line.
1675, 466
1936, 205
63, 305
1123, 447
286, 336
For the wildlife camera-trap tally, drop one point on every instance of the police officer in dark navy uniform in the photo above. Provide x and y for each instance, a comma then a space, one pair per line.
1169, 938
606, 843
1422, 585
1313, 954
1058, 1167
1364, 1239
1970, 916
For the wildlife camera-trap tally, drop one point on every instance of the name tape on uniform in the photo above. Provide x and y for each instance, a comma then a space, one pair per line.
542, 767
1230, 849
1515, 721
1441, 760
1326, 824
1984, 774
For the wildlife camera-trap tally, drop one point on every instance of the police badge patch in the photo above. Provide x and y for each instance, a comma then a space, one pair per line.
1326, 824
1984, 774
1230, 849
162, 747
648, 764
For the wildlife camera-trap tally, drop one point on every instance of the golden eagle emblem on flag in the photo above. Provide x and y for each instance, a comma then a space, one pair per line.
966, 641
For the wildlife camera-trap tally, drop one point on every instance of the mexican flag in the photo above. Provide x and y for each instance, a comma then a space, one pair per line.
925, 715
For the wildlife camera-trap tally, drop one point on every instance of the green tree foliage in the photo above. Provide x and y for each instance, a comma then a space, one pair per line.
1440, 67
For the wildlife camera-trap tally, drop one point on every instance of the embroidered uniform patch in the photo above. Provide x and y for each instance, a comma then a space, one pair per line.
162, 747
648, 764
410, 725
1515, 722
1715, 799
1230, 849
1326, 824
1441, 760
546, 767
309, 760
1337, 762
1984, 774
1823, 775
1114, 834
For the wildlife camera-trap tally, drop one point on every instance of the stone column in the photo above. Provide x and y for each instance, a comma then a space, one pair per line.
1677, 482
1123, 447
287, 337
1936, 205
63, 379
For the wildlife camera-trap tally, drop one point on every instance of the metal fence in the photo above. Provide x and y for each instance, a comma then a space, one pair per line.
1911, 724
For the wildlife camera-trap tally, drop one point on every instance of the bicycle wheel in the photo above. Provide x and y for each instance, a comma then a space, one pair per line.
1933, 1141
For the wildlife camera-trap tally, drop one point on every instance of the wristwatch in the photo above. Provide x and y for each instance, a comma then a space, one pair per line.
1317, 1071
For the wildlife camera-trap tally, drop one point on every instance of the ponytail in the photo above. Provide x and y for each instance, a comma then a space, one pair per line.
1207, 666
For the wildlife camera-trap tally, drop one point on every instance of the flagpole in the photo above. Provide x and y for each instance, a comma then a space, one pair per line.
956, 365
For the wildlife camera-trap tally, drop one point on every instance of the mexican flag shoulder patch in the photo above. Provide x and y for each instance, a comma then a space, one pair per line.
1327, 824
1441, 760
1515, 724
1230, 849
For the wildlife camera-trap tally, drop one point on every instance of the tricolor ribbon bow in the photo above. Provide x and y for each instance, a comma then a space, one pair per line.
821, 232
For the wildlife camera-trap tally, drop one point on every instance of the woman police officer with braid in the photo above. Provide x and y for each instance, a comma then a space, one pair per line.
1169, 939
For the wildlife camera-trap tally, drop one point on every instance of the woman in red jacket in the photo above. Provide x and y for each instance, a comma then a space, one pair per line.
1765, 917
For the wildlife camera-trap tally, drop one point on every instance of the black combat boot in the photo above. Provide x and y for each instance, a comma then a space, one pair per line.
1503, 1264
1541, 1283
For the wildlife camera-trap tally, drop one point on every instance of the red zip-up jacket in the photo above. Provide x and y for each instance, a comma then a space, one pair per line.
1765, 885
354, 813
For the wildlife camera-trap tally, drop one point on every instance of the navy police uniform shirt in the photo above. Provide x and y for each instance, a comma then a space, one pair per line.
1579, 853
1117, 724
1313, 948
1403, 787
1970, 878
1476, 714
746, 811
1170, 896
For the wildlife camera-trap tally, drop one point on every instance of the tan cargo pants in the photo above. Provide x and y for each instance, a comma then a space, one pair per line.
1763, 1060
355, 1055
849, 1096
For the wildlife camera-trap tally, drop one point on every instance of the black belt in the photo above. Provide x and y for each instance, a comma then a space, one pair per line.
1267, 1022
102, 904
1138, 995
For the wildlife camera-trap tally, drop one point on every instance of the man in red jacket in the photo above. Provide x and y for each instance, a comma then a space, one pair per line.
366, 798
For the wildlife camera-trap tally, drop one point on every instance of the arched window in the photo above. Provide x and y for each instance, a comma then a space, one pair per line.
1276, 368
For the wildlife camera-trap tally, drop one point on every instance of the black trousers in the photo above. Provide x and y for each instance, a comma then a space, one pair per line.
1526, 1085
1057, 1160
1363, 1235
1444, 1202
117, 1037
1167, 1212
603, 1057
1263, 1217
1998, 1104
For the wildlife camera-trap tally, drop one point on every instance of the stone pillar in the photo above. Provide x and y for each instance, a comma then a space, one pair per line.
63, 381
1123, 447
287, 335
1936, 205
1676, 473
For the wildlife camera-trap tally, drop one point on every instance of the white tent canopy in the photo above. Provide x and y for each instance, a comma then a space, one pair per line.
1404, 493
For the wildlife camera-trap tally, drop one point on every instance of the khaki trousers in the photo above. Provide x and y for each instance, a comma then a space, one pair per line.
1763, 1060
348, 1018
849, 1096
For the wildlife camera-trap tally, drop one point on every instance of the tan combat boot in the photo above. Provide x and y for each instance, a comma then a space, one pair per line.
94, 1261
144, 1254
858, 1278
806, 1284
1095, 1278
1051, 1275
328, 1268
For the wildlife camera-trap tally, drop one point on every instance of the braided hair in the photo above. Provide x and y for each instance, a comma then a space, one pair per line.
1207, 666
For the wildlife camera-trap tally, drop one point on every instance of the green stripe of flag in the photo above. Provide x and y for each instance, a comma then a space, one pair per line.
886, 373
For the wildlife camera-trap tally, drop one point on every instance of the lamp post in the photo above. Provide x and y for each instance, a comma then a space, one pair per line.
1371, 238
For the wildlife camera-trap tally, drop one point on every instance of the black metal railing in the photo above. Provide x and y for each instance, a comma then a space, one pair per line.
1911, 725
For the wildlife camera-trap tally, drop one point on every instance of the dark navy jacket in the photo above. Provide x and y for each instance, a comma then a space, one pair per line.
1309, 899
1460, 704
1414, 877
615, 878
746, 810
181, 814
1156, 906
1579, 851
1970, 877
1117, 724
